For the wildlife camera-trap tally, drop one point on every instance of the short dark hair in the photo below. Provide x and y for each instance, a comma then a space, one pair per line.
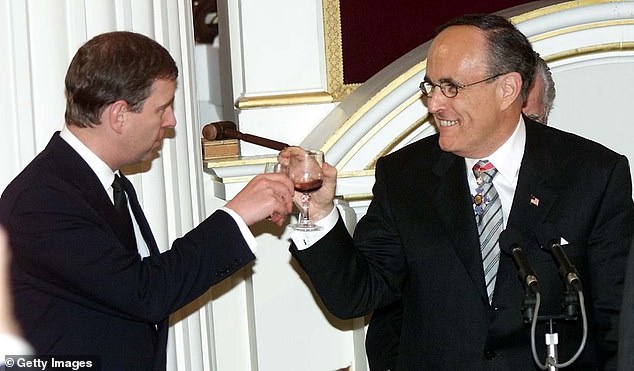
508, 49
113, 66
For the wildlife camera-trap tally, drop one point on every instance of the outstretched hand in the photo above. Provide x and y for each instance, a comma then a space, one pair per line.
321, 201
265, 196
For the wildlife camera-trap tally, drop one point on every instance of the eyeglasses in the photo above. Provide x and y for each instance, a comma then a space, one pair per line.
449, 89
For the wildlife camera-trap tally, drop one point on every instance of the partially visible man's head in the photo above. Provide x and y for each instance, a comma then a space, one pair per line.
114, 66
541, 94
479, 70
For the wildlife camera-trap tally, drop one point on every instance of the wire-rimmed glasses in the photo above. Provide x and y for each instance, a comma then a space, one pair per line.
449, 89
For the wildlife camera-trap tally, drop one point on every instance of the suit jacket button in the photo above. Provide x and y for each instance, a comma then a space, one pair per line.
489, 354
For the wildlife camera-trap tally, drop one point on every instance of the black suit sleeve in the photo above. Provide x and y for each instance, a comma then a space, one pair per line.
63, 247
355, 276
608, 247
626, 334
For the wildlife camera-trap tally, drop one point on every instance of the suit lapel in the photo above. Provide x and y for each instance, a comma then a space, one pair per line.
535, 194
73, 168
536, 189
452, 199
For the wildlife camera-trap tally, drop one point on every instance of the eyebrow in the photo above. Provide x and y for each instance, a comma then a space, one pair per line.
168, 104
443, 80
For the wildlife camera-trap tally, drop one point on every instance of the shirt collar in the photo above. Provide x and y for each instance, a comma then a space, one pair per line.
508, 158
101, 169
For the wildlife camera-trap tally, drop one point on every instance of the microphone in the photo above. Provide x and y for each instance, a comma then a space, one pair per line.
510, 243
551, 242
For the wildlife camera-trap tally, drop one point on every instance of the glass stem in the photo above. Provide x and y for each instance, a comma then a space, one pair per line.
303, 216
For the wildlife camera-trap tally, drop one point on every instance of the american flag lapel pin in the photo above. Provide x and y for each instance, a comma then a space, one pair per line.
534, 200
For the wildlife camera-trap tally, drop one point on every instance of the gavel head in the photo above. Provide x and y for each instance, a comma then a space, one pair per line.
218, 130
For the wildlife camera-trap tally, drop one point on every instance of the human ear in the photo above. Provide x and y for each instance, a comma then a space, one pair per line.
511, 88
116, 115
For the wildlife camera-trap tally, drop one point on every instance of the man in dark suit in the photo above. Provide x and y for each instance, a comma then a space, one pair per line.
420, 240
87, 274
384, 329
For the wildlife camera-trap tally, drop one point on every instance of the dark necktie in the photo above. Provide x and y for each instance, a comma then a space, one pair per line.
121, 205
139, 216
488, 209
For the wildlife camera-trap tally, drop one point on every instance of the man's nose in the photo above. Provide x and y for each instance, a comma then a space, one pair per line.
434, 100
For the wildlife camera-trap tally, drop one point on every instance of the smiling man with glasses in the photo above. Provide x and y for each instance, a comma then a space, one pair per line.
426, 258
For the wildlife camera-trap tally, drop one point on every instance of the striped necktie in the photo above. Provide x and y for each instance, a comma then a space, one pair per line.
488, 209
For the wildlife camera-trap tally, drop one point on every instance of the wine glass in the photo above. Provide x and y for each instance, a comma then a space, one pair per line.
304, 169
274, 167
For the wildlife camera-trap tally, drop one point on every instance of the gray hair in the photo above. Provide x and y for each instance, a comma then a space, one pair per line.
542, 70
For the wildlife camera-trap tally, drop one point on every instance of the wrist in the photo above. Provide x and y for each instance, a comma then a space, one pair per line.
319, 212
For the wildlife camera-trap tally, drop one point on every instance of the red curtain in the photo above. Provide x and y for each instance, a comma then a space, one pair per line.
377, 32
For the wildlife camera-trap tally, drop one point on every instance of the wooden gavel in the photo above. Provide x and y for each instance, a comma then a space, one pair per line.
220, 130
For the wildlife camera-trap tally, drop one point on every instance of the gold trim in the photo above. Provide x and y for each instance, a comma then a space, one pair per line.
557, 8
357, 197
240, 161
397, 140
391, 86
237, 179
376, 128
591, 49
334, 51
355, 173
283, 100
582, 27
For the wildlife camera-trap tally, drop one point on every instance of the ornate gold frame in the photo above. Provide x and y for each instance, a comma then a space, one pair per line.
336, 89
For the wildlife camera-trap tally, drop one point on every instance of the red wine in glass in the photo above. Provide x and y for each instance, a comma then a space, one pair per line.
304, 169
310, 186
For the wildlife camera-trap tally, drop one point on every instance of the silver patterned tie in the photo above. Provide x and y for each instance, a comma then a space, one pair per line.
488, 209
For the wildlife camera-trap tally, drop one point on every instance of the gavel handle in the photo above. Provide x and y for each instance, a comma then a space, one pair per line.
264, 142
226, 130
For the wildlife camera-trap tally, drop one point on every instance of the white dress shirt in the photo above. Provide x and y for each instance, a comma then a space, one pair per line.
507, 160
13, 345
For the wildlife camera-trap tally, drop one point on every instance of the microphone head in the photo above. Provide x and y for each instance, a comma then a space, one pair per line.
547, 236
509, 239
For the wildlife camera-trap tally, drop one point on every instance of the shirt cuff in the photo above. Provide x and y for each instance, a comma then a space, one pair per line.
304, 240
244, 229
13, 345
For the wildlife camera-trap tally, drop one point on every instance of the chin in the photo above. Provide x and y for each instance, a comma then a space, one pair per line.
443, 144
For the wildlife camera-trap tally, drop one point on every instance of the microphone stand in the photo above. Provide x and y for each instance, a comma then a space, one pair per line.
530, 309
552, 339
